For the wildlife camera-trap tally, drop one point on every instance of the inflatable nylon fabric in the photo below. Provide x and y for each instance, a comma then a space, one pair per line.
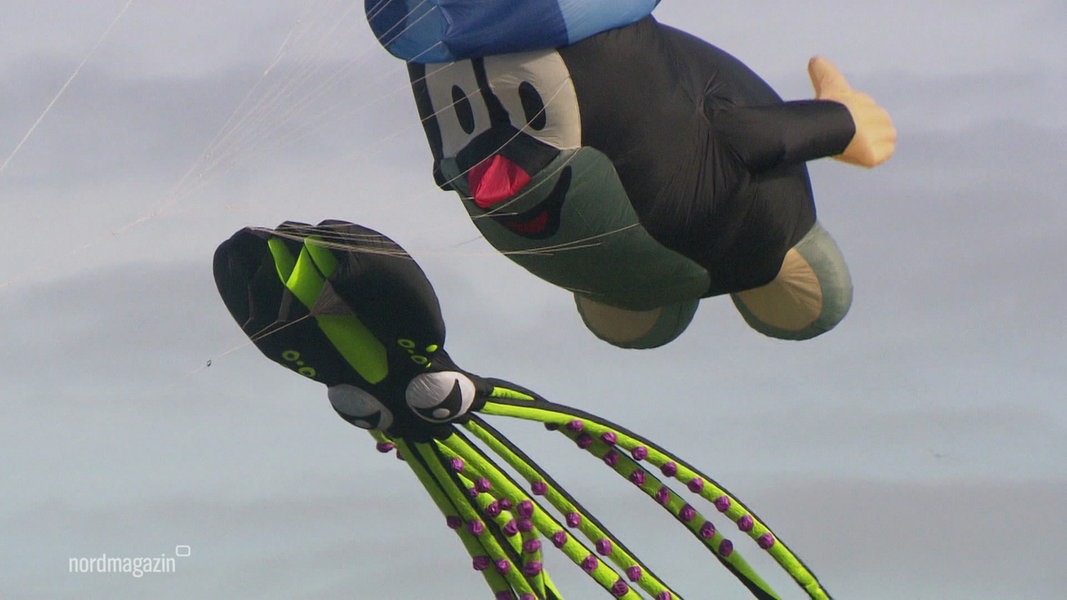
347, 307
446, 30
644, 169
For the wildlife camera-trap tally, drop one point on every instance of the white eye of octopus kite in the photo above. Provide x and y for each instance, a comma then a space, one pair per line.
359, 407
440, 397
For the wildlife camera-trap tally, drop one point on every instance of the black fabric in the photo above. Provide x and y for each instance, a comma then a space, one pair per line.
710, 156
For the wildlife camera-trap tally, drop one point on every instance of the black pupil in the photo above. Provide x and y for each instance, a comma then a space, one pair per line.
532, 105
464, 112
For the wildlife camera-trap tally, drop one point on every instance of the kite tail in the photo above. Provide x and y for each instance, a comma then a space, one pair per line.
503, 525
459, 514
628, 568
626, 453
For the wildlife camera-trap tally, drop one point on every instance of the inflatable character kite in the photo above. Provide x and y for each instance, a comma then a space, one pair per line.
347, 307
633, 164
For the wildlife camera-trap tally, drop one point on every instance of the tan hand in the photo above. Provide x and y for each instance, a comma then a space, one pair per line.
875, 137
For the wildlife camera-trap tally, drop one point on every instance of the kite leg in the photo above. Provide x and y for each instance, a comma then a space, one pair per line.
574, 423
538, 517
451, 504
577, 518
511, 515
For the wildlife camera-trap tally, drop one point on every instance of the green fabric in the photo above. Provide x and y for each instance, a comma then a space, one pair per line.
444, 502
559, 416
600, 249
576, 551
305, 276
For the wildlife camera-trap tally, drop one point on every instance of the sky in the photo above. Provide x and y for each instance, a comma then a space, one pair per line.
919, 450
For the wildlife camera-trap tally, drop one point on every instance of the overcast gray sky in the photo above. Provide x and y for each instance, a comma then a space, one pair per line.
917, 451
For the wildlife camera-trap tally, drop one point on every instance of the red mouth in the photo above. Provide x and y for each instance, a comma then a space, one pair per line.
494, 180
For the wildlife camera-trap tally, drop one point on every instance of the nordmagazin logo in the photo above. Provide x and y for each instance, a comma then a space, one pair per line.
134, 566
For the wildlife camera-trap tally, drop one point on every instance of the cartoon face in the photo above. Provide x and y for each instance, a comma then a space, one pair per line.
494, 125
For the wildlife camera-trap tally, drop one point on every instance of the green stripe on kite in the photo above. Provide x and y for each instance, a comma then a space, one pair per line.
305, 276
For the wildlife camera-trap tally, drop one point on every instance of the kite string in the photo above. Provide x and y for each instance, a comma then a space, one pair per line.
66, 84
260, 335
242, 119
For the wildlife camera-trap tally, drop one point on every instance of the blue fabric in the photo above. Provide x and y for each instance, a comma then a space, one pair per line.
444, 30
590, 17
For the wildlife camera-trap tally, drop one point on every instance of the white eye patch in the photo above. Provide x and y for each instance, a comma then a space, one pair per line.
440, 397
538, 94
360, 407
457, 102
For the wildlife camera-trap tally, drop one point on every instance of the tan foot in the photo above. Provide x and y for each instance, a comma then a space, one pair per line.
875, 137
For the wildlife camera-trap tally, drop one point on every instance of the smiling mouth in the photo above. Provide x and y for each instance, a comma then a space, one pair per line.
539, 221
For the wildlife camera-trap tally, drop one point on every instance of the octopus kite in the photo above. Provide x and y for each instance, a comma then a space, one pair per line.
347, 307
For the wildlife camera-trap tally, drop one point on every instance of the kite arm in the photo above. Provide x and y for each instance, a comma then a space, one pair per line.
840, 122
765, 137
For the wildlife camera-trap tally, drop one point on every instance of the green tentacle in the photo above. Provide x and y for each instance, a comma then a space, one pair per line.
487, 494
512, 403
444, 503
472, 517
578, 517
551, 528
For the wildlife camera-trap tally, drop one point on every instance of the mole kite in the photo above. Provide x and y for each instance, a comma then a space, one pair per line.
633, 164
347, 307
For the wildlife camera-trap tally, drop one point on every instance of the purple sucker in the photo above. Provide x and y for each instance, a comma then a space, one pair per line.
603, 546
611, 459
525, 509
707, 530
637, 478
687, 513
559, 539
